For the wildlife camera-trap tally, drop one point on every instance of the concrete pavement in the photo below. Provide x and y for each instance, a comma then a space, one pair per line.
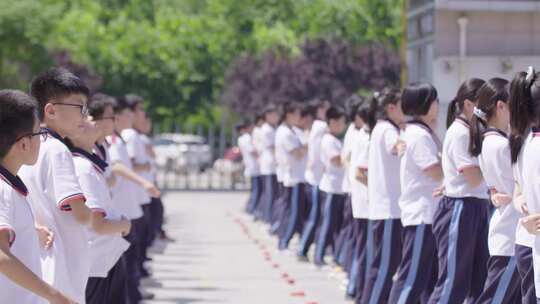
221, 256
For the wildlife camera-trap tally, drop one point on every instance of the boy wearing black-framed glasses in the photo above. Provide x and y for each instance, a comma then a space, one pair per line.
56, 197
21, 280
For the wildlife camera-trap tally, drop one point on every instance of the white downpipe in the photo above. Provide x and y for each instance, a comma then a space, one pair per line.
463, 21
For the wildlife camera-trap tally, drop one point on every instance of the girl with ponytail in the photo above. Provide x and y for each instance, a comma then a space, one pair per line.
489, 142
524, 150
460, 223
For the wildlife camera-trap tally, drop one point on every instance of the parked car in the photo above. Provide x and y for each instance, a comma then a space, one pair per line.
182, 152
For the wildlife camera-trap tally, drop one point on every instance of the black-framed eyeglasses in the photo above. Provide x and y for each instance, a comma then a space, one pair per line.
42, 133
83, 108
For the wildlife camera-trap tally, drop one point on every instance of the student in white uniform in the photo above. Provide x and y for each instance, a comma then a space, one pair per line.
107, 282
295, 157
364, 120
256, 137
280, 205
420, 174
489, 142
251, 167
331, 184
383, 194
20, 270
125, 191
313, 176
524, 146
141, 165
55, 195
346, 238
267, 161
460, 224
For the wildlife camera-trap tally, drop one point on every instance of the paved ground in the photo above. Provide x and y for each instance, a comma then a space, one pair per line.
221, 256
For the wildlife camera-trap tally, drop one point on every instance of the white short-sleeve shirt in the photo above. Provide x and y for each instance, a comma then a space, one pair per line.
151, 175
359, 160
348, 141
245, 143
456, 158
496, 167
417, 202
280, 152
383, 178
332, 178
137, 152
124, 192
523, 237
16, 217
315, 167
53, 185
294, 167
529, 170
267, 160
105, 250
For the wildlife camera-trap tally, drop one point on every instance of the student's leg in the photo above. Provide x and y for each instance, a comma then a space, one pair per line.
308, 233
251, 199
344, 233
416, 264
389, 261
269, 198
257, 182
482, 213
280, 205
525, 268
324, 237
358, 268
373, 257
293, 215
338, 204
132, 268
118, 286
503, 282
457, 226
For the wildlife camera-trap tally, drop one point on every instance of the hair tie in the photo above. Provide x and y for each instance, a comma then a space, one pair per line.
376, 94
480, 114
531, 77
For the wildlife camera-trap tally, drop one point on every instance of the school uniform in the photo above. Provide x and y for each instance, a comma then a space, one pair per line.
360, 206
256, 137
267, 165
333, 198
313, 175
383, 194
52, 186
345, 240
503, 282
105, 250
525, 171
251, 170
293, 179
460, 224
280, 204
137, 153
156, 205
415, 276
124, 194
16, 217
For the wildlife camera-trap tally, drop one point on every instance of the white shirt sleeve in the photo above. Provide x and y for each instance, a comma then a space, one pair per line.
6, 219
424, 153
291, 142
332, 149
461, 156
92, 191
361, 158
66, 185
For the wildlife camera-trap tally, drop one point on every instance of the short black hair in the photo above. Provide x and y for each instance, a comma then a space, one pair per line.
309, 110
98, 103
121, 104
55, 83
17, 117
416, 99
243, 124
133, 100
334, 113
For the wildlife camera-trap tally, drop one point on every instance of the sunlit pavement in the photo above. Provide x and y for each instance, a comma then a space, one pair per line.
221, 256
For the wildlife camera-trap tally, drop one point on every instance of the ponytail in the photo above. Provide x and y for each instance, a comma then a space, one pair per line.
522, 111
452, 112
487, 97
476, 131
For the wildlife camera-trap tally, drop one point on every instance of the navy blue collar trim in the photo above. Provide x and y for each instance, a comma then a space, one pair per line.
14, 181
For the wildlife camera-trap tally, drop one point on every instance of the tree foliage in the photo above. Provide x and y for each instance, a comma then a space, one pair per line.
175, 52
